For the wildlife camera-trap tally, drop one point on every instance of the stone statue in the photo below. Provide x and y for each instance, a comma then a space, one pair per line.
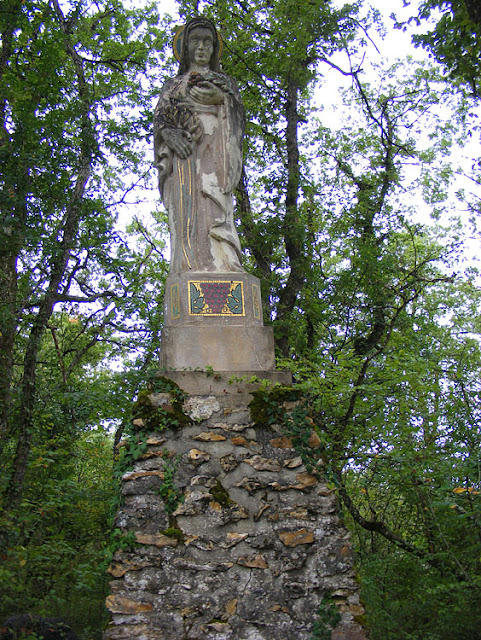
198, 130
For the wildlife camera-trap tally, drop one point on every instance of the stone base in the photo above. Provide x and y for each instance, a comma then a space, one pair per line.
236, 539
221, 347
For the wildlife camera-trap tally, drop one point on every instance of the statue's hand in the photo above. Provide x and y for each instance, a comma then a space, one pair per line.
207, 93
179, 141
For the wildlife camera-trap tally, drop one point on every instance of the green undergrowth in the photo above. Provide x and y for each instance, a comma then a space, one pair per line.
149, 419
168, 490
328, 617
267, 405
118, 541
158, 418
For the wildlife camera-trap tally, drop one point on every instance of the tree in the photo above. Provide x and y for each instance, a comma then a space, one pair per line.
455, 40
54, 564
77, 296
70, 79
419, 478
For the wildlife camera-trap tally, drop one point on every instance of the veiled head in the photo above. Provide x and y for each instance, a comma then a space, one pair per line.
199, 24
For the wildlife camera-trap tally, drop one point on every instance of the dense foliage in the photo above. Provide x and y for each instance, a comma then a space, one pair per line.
372, 306
75, 84
455, 39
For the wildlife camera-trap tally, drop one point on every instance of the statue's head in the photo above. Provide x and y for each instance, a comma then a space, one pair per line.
181, 43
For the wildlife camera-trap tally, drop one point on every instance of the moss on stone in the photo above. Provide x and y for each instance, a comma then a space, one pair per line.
361, 620
267, 404
172, 532
161, 384
177, 419
220, 495
150, 415
156, 418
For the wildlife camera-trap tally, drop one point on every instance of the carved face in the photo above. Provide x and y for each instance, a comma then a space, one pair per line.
200, 46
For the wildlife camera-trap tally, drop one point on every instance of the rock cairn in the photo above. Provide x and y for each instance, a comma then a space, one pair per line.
226, 534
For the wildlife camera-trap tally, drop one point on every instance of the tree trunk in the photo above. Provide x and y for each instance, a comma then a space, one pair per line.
8, 301
293, 229
12, 211
14, 490
473, 8
248, 228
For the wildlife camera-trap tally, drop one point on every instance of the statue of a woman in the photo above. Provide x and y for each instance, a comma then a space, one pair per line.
198, 130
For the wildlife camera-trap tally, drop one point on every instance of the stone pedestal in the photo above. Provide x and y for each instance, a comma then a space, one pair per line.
235, 538
214, 321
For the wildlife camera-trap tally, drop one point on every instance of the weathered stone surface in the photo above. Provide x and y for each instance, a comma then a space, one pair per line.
233, 539
229, 462
238, 428
348, 632
156, 540
140, 485
295, 538
263, 464
314, 441
127, 631
142, 513
253, 545
253, 562
133, 475
119, 568
199, 408
155, 439
198, 346
121, 604
305, 481
261, 511
209, 243
293, 463
197, 457
250, 485
240, 441
282, 443
161, 401
151, 454
219, 630
231, 608
192, 504
227, 384
206, 481
299, 513
209, 436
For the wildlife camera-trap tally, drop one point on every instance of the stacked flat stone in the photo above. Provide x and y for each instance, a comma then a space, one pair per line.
250, 551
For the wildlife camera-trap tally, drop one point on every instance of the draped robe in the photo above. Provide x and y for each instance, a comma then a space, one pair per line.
197, 191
